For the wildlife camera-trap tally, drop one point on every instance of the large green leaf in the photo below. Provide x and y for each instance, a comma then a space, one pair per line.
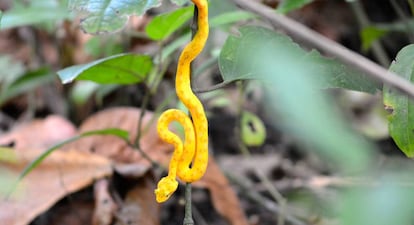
400, 107
109, 15
117, 69
292, 100
327, 72
165, 24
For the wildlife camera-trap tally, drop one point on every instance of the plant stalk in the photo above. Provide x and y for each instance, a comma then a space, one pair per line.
188, 217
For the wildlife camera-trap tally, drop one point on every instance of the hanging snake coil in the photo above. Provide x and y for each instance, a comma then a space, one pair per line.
189, 160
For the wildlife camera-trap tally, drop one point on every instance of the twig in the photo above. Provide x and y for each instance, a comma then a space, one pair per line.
303, 34
188, 217
246, 189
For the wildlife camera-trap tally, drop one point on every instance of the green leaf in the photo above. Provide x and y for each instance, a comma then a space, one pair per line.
117, 69
399, 106
165, 24
253, 131
327, 72
109, 15
371, 34
291, 95
25, 83
123, 134
290, 5
33, 15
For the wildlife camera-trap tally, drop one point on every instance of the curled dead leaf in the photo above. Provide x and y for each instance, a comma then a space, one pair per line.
61, 173
40, 133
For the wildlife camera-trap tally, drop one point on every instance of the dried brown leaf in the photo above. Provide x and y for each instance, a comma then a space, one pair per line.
61, 173
38, 134
126, 118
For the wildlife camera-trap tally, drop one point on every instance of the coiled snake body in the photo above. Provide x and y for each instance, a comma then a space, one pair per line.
189, 160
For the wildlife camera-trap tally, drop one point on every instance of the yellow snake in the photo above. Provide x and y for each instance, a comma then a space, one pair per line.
189, 160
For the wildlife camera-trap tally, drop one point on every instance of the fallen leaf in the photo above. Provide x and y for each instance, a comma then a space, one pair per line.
61, 173
116, 149
40, 133
128, 160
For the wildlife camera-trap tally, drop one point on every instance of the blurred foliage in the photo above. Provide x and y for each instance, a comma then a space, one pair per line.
328, 73
15, 80
291, 90
23, 14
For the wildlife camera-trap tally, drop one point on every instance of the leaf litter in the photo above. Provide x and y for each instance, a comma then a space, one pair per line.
91, 161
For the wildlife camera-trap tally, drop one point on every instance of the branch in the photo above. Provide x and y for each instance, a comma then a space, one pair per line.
301, 33
188, 218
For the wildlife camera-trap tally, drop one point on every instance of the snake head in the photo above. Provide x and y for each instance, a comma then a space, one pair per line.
166, 187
